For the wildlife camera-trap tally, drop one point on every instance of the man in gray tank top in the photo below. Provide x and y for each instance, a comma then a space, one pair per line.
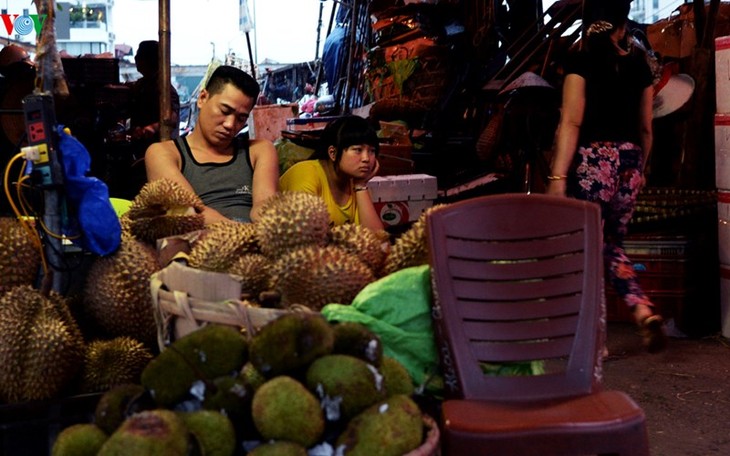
232, 174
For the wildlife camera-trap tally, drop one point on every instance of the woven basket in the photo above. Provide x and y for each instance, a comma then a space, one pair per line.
186, 299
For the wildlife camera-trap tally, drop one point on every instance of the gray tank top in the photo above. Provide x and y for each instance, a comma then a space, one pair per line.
225, 187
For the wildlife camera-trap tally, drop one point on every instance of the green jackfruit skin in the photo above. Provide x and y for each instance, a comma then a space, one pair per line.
389, 428
279, 449
252, 377
289, 342
210, 352
149, 433
345, 385
212, 431
114, 406
229, 395
396, 377
283, 409
79, 440
357, 340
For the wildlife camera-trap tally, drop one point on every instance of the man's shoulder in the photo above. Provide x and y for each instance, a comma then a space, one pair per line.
163, 147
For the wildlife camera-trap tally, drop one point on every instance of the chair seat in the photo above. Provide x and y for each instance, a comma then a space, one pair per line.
590, 412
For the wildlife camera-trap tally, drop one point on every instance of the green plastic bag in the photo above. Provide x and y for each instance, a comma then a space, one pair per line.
397, 307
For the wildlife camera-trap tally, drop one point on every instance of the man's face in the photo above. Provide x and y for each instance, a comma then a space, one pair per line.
223, 115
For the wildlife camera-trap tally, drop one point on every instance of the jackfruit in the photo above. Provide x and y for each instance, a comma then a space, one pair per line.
229, 395
116, 405
345, 385
289, 342
164, 208
117, 294
315, 276
410, 248
149, 433
357, 340
108, 363
283, 409
252, 377
210, 352
79, 440
221, 245
279, 448
389, 428
396, 377
368, 245
19, 255
255, 272
289, 220
212, 431
41, 346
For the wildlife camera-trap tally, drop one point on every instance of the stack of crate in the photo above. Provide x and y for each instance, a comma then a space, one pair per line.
722, 173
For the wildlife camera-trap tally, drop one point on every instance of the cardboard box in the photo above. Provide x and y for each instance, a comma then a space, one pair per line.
722, 74
312, 123
268, 121
402, 198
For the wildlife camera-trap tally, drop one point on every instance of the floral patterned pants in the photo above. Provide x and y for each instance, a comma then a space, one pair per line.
609, 174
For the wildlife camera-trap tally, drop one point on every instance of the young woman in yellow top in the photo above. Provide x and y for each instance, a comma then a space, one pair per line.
339, 170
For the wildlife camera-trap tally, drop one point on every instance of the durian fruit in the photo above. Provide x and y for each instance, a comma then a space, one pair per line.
116, 405
164, 208
345, 385
315, 276
392, 427
357, 340
19, 256
149, 433
289, 220
79, 440
368, 245
41, 346
280, 448
203, 355
222, 244
255, 272
117, 294
290, 342
108, 363
283, 409
212, 432
410, 248
396, 378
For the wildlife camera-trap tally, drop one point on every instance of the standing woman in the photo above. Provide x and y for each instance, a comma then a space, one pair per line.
603, 143
338, 171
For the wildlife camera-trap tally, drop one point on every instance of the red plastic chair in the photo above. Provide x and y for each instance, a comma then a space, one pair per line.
518, 278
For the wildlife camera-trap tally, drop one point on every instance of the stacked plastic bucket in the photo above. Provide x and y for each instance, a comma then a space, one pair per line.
722, 173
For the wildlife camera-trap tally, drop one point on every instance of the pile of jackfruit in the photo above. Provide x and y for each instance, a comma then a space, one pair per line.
301, 385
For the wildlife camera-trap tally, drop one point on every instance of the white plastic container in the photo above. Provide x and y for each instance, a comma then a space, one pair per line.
722, 151
722, 74
723, 226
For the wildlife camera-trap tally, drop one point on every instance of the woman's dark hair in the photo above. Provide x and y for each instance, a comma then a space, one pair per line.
225, 74
611, 15
344, 132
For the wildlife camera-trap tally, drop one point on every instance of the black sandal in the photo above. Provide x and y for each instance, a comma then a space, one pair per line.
653, 333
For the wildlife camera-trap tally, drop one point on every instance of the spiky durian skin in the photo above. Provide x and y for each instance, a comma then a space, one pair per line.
222, 245
108, 363
289, 220
411, 248
40, 345
149, 217
117, 293
19, 257
315, 276
255, 272
363, 242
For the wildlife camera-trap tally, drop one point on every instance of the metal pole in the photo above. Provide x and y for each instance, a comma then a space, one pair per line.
350, 56
167, 121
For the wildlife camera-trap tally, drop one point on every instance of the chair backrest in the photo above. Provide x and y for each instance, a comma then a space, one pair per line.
517, 278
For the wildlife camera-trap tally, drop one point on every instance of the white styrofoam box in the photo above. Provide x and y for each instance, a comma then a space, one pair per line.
399, 212
723, 226
722, 73
405, 187
725, 299
722, 151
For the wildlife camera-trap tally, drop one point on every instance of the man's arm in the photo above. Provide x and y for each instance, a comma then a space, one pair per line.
162, 160
265, 162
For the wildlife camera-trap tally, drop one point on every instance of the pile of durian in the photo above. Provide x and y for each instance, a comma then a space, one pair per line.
300, 385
